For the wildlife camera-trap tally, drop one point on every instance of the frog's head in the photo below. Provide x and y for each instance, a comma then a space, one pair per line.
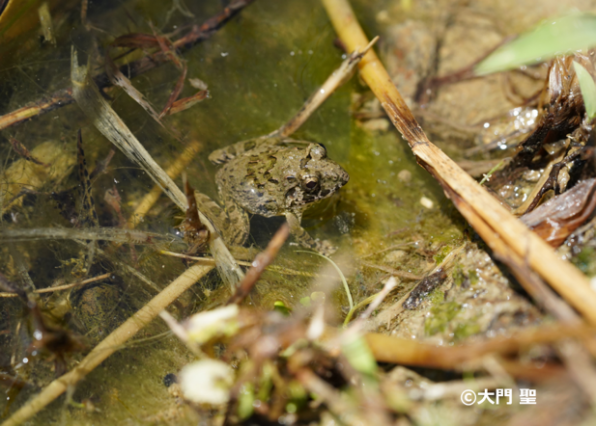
318, 177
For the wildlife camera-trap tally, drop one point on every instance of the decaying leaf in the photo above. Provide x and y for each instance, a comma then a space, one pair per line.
24, 152
176, 92
556, 219
185, 103
119, 79
562, 112
195, 232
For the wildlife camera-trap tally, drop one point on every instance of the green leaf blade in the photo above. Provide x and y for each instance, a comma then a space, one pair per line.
588, 89
549, 39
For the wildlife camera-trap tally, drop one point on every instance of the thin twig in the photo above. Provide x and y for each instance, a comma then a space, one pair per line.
210, 261
262, 260
63, 287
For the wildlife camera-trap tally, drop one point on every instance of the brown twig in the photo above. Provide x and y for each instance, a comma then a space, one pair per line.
262, 260
411, 352
64, 97
61, 287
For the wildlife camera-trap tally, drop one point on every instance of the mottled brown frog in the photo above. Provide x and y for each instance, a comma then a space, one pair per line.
272, 177
277, 176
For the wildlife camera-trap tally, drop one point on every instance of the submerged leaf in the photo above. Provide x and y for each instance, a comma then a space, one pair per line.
588, 89
549, 39
24, 152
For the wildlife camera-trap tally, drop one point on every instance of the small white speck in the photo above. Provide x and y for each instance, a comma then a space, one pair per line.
344, 56
292, 53
426, 202
116, 181
37, 335
486, 125
224, 54
25, 360
322, 91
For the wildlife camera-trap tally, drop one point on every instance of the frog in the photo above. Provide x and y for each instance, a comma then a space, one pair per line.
275, 175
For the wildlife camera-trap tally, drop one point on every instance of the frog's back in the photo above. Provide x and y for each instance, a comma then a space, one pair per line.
251, 181
280, 179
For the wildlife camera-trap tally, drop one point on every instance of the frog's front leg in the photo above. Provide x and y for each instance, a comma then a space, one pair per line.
304, 239
238, 226
231, 221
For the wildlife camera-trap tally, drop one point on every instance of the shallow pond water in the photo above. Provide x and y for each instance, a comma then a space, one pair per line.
260, 67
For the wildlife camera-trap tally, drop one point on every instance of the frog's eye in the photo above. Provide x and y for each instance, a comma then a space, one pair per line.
311, 183
317, 151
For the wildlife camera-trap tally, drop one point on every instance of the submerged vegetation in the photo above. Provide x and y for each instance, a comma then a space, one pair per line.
160, 164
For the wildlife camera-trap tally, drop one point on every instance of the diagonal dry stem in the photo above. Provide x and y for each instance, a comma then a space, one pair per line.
335, 80
561, 275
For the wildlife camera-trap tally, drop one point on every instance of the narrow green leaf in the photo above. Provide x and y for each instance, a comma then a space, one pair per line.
549, 39
359, 355
588, 88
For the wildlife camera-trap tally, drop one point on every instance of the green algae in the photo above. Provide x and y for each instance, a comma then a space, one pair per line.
441, 314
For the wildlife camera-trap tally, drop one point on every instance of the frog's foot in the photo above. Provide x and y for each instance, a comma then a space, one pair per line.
325, 247
305, 240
